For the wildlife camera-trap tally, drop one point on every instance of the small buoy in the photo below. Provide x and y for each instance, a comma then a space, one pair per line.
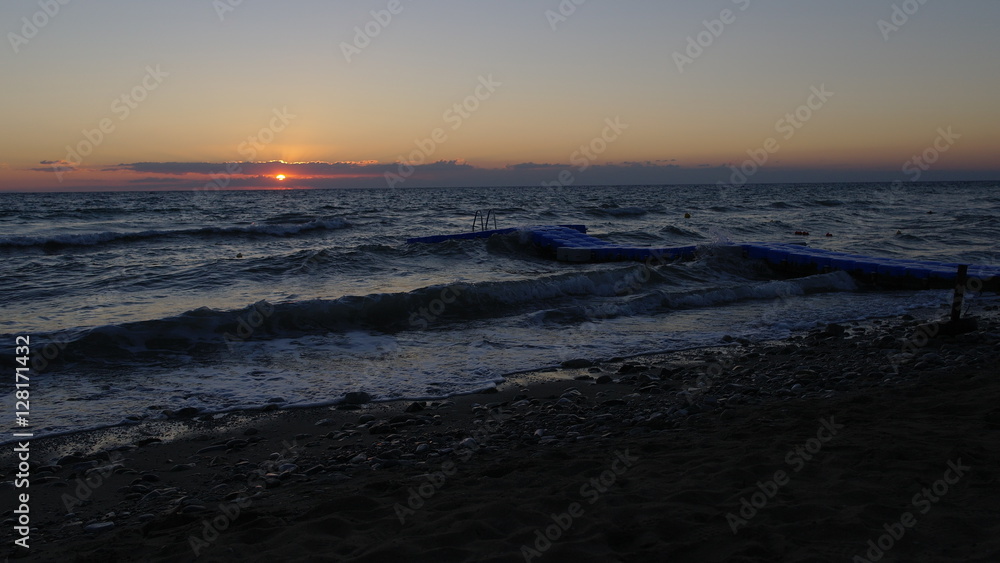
899, 232
829, 234
687, 215
239, 255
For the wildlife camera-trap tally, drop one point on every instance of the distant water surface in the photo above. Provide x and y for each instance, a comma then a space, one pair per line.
224, 300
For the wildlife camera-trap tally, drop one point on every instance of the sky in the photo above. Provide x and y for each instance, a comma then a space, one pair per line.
234, 94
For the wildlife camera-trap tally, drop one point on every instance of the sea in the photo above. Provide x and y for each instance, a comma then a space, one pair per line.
140, 304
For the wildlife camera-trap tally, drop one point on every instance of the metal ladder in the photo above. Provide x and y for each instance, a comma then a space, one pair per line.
483, 220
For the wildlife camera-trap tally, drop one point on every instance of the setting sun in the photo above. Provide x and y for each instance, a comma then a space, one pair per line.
280, 176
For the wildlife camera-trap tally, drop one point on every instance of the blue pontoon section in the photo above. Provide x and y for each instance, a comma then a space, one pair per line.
804, 260
571, 243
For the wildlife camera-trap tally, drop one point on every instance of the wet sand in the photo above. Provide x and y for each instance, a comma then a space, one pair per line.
859, 442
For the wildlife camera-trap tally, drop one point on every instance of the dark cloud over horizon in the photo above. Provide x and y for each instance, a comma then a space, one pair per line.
450, 173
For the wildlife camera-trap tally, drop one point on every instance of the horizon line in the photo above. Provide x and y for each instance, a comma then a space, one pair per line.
496, 186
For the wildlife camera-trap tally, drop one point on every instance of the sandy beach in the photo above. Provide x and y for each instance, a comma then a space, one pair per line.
861, 442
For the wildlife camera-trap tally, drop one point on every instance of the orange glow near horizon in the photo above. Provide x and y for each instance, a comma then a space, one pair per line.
830, 92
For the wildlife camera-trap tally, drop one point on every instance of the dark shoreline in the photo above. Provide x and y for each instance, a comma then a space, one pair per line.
150, 502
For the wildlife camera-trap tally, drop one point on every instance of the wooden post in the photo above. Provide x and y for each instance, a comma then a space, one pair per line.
956, 303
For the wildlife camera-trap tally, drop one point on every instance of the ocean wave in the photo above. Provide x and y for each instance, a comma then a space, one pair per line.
682, 232
206, 330
617, 212
95, 239
828, 202
662, 300
782, 205
628, 290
